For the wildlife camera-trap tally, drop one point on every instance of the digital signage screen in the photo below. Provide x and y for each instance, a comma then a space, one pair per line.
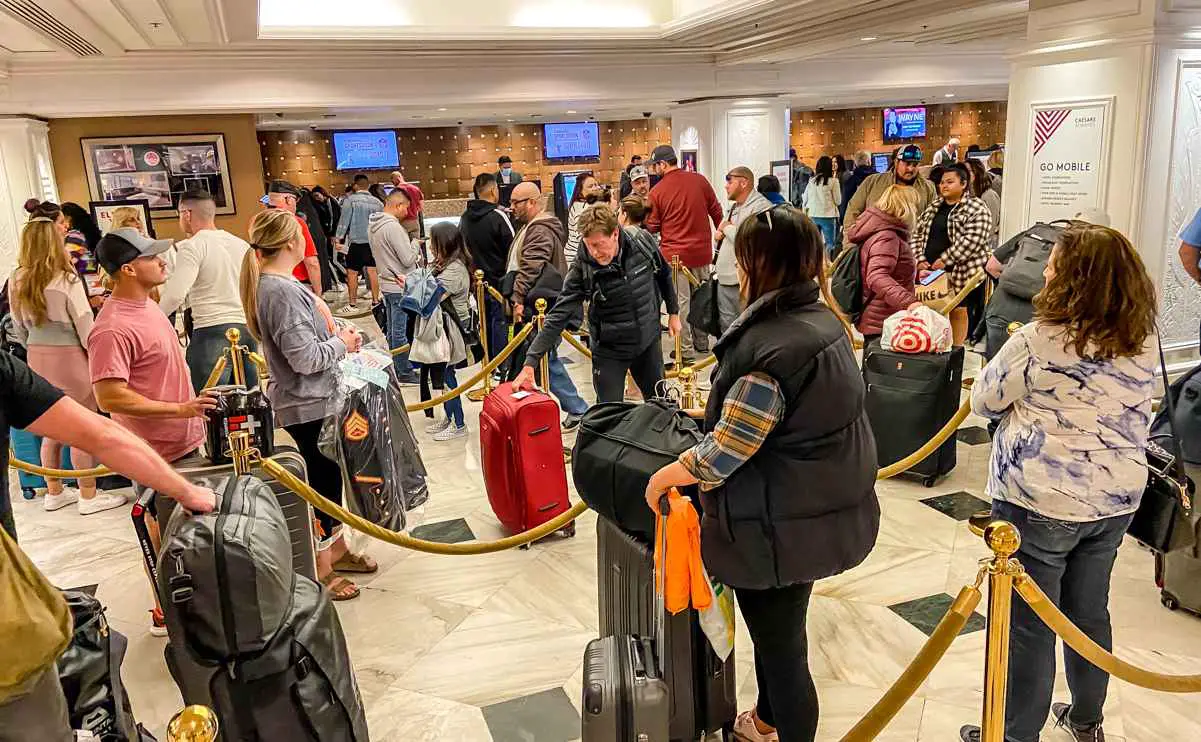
365, 150
571, 141
904, 123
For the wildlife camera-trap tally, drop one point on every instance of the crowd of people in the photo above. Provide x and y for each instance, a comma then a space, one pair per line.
788, 465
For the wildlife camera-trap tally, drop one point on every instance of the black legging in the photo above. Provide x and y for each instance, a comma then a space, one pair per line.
775, 619
325, 476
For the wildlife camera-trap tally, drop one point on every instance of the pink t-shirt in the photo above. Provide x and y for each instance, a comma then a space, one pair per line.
135, 343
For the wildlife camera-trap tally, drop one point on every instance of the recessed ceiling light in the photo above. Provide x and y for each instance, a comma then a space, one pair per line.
571, 111
509, 120
948, 95
441, 109
868, 38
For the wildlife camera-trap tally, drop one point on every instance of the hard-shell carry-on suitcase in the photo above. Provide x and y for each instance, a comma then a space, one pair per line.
625, 698
521, 446
702, 687
297, 512
910, 396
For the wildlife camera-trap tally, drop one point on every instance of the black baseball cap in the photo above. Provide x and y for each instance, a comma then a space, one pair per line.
505, 160
663, 153
910, 153
122, 246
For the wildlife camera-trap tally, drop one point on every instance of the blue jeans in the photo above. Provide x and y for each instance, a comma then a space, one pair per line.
829, 227
1072, 563
207, 345
454, 408
498, 328
398, 333
562, 386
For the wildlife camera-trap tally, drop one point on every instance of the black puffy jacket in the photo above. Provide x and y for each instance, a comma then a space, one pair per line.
488, 233
804, 505
624, 296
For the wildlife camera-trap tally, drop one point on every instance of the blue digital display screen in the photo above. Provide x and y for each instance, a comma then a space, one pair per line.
880, 161
365, 150
904, 123
567, 141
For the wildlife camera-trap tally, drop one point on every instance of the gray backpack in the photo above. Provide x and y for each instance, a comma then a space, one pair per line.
225, 577
1023, 274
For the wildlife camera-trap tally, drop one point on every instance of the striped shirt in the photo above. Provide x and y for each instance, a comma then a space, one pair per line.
751, 410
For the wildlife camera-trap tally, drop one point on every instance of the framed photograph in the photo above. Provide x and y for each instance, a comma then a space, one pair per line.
688, 160
158, 170
102, 212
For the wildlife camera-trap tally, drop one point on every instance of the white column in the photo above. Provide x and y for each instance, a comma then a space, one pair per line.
726, 134
1120, 96
25, 172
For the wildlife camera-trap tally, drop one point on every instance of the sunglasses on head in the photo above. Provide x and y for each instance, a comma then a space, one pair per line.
765, 216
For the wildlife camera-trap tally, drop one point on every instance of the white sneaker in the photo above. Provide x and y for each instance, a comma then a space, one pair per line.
451, 432
69, 496
348, 312
101, 502
437, 426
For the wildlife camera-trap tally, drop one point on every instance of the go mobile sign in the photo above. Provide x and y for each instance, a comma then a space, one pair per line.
904, 123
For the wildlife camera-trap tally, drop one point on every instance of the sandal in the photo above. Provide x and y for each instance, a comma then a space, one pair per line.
339, 587
359, 564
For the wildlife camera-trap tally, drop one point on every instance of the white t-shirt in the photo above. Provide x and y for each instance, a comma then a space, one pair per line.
1073, 433
205, 276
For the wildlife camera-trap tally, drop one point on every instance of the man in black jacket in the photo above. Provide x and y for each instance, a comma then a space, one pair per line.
625, 280
863, 169
488, 233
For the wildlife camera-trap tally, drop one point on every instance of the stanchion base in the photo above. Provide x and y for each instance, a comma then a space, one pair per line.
476, 395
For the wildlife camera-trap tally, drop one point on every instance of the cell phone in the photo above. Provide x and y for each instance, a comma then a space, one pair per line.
934, 276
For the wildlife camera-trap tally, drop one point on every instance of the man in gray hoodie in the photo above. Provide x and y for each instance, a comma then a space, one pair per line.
395, 257
357, 210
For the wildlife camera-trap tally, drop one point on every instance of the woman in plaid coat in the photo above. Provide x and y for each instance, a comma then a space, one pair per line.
955, 233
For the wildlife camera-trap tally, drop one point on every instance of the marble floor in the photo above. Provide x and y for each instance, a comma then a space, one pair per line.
489, 648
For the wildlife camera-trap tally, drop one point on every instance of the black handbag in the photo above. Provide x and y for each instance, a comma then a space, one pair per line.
704, 313
1162, 522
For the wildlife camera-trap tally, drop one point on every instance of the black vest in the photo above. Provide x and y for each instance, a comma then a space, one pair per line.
623, 316
804, 506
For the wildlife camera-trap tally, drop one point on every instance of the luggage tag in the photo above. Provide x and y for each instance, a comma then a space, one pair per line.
521, 395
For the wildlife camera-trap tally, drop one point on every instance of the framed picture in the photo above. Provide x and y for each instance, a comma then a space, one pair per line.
688, 160
102, 213
158, 170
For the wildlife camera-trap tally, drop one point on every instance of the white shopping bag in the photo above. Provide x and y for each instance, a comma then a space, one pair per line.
919, 330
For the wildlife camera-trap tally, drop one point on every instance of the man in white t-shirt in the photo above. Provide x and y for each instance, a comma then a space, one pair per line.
205, 278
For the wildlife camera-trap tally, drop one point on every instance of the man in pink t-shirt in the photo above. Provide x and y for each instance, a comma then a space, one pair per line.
138, 368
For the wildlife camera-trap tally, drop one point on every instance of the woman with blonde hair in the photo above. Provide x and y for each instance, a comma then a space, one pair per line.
53, 318
128, 216
302, 345
886, 262
1072, 391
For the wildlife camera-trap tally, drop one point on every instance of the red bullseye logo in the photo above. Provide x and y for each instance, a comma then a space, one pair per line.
911, 335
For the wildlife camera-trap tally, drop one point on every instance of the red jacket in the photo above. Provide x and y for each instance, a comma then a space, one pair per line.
682, 206
888, 267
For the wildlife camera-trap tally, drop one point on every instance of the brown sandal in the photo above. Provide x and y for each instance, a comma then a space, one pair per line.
339, 587
359, 564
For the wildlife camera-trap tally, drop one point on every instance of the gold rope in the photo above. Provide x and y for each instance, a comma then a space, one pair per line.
1093, 652
571, 340
402, 349
961, 297
479, 376
930, 447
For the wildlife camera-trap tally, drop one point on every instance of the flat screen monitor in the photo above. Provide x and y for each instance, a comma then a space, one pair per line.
567, 142
904, 123
880, 161
365, 150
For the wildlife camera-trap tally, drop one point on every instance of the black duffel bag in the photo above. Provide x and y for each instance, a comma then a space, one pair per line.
618, 447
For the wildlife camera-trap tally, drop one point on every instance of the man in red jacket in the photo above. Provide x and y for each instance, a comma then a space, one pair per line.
685, 213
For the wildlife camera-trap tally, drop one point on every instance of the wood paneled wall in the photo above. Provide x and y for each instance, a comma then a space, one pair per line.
446, 160
817, 133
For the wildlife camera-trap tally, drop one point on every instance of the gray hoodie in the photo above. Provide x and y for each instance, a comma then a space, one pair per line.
394, 254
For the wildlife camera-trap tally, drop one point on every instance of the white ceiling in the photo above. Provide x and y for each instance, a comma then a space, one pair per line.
373, 62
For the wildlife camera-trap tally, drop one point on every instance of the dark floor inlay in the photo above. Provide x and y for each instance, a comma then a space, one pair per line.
973, 436
548, 716
959, 505
445, 532
925, 613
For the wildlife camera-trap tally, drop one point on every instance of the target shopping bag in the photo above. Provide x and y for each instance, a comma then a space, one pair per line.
920, 330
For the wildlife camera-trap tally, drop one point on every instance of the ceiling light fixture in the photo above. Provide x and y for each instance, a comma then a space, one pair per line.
948, 95
441, 109
868, 38
571, 111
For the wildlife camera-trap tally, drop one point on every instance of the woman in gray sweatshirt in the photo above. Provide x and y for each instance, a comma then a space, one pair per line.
303, 346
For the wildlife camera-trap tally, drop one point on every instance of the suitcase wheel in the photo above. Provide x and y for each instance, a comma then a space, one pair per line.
1168, 601
524, 547
929, 481
568, 530
727, 732
28, 493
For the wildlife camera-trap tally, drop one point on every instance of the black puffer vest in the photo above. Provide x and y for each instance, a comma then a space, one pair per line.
804, 506
624, 312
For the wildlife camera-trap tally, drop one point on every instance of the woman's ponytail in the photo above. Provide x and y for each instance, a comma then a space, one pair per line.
271, 230
248, 286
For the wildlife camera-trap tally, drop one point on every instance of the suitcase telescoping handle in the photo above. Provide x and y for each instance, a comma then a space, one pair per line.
660, 586
138, 514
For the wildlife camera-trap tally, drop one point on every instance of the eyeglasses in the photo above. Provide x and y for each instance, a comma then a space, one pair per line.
519, 201
732, 177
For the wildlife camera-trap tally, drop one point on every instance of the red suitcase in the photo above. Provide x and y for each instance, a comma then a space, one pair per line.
521, 447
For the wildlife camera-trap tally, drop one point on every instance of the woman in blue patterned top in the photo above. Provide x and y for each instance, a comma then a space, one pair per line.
1072, 391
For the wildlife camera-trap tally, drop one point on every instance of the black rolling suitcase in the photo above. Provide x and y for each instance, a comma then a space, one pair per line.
702, 688
910, 396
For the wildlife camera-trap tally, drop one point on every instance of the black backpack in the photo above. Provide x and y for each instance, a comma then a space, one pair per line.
1023, 274
846, 283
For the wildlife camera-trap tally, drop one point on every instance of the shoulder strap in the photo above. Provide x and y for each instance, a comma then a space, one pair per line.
1170, 402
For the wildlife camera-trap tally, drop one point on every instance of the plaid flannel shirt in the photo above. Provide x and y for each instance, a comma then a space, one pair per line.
970, 229
753, 408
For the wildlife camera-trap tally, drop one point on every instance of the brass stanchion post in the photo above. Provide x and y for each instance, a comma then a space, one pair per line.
481, 298
193, 724
240, 451
689, 398
540, 306
675, 278
236, 358
1003, 538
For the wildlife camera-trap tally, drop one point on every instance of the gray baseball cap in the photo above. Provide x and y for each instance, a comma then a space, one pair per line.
126, 245
637, 172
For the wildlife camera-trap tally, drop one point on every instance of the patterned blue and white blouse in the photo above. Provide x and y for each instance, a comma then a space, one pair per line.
1073, 433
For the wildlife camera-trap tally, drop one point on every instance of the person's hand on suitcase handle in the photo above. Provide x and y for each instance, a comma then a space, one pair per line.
525, 380
202, 403
197, 499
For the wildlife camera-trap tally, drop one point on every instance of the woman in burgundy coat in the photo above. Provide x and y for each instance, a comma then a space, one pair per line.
889, 270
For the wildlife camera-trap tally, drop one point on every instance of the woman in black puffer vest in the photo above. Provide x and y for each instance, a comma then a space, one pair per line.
788, 474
